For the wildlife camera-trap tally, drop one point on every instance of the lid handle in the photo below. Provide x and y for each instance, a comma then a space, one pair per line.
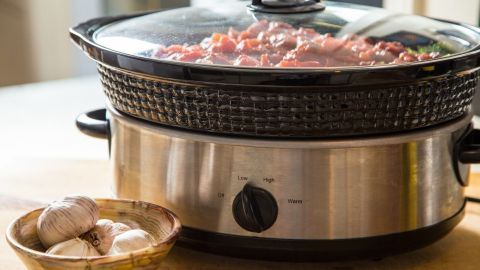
286, 6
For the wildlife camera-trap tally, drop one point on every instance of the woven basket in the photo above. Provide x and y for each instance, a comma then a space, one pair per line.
272, 111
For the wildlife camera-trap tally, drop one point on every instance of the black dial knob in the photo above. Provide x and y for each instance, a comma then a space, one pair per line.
254, 209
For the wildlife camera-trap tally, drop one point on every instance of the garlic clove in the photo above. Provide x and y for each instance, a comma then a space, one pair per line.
102, 235
66, 219
130, 241
104, 221
73, 247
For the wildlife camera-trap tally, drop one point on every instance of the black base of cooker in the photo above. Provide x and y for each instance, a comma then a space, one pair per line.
316, 250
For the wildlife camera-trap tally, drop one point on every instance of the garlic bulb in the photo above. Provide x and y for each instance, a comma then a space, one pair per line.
102, 235
130, 241
66, 219
73, 247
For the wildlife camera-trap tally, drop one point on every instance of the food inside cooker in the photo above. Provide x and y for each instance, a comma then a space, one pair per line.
278, 44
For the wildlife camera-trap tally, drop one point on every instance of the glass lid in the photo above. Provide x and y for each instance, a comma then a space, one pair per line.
286, 34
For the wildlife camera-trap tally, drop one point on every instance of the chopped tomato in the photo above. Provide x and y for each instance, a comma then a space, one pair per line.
287, 63
217, 58
190, 56
245, 60
366, 56
257, 27
283, 40
307, 32
307, 51
225, 45
174, 49
407, 57
384, 56
395, 48
381, 45
195, 47
216, 37
424, 56
265, 60
243, 35
330, 45
248, 45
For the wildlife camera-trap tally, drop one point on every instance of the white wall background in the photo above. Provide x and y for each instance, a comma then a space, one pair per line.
83, 10
460, 10
35, 44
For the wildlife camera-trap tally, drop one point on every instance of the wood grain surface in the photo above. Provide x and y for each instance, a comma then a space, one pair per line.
26, 184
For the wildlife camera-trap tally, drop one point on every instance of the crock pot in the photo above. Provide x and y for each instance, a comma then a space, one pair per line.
292, 149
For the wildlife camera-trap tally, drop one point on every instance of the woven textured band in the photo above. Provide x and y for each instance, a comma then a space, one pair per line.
296, 113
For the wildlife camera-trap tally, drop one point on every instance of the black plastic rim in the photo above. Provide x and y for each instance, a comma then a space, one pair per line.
83, 36
317, 250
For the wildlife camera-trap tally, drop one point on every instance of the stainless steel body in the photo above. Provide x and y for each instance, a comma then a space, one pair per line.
325, 189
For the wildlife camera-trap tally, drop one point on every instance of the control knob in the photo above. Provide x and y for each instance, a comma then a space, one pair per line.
254, 209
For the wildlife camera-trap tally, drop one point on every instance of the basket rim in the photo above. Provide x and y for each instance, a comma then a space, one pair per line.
158, 247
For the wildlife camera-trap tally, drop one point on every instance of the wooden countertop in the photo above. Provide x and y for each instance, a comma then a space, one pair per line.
44, 158
24, 189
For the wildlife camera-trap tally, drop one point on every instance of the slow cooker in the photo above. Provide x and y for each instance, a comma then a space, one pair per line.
289, 130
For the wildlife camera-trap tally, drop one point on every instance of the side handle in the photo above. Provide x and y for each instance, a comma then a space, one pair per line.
470, 148
94, 123
466, 151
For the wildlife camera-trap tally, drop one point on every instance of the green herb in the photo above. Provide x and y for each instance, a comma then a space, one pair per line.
433, 48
